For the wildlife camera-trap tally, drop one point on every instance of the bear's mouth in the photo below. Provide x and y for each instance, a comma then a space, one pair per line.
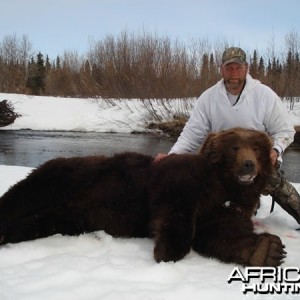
246, 179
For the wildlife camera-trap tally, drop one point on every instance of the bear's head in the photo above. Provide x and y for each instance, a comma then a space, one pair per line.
239, 154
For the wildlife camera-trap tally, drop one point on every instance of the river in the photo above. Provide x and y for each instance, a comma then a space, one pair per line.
32, 148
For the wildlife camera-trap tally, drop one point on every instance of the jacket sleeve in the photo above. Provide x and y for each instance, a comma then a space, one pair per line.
195, 130
279, 126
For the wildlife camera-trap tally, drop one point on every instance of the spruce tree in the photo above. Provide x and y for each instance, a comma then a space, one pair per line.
36, 75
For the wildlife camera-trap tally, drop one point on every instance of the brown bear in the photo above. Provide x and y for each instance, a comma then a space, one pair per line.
202, 202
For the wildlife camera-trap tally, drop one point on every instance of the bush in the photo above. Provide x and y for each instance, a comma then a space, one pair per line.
7, 114
171, 128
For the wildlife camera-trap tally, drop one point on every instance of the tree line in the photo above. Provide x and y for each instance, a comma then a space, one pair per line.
143, 66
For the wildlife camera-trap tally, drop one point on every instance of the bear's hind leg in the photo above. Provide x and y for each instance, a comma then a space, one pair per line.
38, 225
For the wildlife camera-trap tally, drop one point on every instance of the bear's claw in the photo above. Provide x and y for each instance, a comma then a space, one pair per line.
269, 251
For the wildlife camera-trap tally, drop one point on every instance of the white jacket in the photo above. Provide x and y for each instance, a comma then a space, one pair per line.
259, 108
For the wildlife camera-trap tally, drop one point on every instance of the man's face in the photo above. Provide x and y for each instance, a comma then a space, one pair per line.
234, 75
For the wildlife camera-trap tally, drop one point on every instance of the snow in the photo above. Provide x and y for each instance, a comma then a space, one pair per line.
97, 266
99, 115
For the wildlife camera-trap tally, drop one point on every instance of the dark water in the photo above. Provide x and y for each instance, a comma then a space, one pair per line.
291, 163
31, 148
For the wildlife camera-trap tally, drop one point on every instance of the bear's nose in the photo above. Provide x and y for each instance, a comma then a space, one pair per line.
248, 166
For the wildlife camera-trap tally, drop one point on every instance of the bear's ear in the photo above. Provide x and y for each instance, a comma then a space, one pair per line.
209, 148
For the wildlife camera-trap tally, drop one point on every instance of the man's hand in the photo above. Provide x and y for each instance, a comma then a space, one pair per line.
274, 156
159, 157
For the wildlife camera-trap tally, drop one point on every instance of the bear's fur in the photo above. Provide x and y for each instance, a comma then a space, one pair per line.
204, 201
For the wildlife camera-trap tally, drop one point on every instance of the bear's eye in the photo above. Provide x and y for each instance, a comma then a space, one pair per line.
255, 148
235, 148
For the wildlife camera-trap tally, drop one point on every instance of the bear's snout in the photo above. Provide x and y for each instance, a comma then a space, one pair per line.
247, 172
248, 166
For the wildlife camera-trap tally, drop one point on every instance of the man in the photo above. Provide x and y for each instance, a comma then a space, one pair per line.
238, 100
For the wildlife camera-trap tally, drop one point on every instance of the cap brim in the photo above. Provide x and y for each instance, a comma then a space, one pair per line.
233, 60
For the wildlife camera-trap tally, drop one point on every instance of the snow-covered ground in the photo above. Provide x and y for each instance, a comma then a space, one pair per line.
99, 115
97, 266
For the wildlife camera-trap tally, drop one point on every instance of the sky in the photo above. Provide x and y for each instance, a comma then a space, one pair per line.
55, 26
96, 265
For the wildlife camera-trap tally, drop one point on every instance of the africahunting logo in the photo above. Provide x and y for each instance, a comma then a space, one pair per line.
267, 280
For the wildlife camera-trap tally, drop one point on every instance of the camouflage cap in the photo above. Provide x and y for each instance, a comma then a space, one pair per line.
234, 54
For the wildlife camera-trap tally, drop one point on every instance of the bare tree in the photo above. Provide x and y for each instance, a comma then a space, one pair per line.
25, 52
10, 49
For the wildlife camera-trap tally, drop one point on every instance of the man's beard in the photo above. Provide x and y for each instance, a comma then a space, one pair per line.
234, 84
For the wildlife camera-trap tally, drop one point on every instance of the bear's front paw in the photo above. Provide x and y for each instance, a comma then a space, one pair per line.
269, 251
166, 252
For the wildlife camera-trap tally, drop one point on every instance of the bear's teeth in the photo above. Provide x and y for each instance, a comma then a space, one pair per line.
246, 178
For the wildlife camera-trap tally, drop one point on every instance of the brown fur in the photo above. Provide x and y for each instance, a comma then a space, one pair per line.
179, 201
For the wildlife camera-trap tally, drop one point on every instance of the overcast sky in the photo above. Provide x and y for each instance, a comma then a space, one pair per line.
54, 26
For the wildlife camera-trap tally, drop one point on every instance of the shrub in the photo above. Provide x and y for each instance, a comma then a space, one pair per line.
7, 114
